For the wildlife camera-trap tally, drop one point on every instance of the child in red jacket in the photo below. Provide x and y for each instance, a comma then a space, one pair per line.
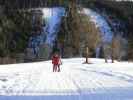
56, 61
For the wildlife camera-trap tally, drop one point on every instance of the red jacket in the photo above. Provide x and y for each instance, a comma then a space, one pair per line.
56, 60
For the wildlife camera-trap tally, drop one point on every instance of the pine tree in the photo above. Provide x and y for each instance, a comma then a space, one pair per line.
73, 26
15, 29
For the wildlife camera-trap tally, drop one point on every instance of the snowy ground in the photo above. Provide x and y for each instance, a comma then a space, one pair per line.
76, 81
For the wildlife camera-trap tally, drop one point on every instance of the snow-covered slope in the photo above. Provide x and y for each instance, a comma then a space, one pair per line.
101, 22
106, 32
76, 81
52, 17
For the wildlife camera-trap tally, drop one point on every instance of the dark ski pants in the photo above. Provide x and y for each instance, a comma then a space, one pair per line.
56, 68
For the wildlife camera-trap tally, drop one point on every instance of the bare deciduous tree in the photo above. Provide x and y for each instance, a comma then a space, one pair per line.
115, 49
92, 35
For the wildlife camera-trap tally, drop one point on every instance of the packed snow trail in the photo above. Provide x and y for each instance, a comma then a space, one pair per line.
76, 81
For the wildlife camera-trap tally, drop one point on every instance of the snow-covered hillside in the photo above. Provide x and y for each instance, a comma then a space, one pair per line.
76, 81
52, 17
101, 22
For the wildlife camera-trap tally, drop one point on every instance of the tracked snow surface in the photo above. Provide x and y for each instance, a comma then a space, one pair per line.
76, 81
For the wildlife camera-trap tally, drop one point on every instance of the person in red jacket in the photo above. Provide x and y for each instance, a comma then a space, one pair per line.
56, 61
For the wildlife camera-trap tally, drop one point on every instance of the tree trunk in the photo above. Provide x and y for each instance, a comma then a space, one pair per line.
112, 59
112, 56
106, 61
87, 53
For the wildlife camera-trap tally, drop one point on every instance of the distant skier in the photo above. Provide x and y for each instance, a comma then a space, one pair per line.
56, 61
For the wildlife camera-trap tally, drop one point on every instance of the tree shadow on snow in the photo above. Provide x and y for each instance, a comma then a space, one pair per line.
98, 94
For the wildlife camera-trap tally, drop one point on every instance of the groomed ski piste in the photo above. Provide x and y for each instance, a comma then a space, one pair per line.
76, 81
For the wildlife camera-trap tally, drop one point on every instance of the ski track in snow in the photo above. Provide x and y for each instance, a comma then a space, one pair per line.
96, 81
